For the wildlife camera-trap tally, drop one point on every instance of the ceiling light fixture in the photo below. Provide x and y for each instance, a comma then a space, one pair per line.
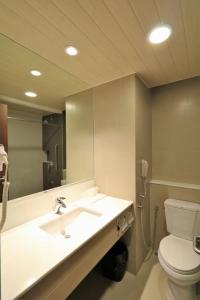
71, 50
160, 34
36, 73
30, 94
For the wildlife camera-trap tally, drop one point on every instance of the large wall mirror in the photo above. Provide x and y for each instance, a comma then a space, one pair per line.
50, 136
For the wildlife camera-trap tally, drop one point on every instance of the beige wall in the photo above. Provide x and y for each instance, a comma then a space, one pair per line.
25, 154
114, 142
114, 145
175, 144
143, 151
176, 128
122, 113
122, 137
80, 137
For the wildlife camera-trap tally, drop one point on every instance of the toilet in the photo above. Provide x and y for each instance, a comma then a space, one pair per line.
176, 253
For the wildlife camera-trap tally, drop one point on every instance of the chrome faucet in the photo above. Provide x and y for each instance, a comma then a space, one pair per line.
59, 204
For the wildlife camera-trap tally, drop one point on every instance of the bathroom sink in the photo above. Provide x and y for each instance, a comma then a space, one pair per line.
72, 223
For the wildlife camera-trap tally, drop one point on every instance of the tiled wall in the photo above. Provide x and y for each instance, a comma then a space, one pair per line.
175, 144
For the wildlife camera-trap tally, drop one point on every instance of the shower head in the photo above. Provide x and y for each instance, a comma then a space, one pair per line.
45, 122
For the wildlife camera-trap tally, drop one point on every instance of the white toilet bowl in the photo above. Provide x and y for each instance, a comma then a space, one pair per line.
182, 267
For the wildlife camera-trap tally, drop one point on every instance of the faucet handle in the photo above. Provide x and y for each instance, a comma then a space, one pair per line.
59, 203
60, 200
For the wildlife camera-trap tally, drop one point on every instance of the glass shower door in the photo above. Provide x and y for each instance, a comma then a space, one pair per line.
52, 133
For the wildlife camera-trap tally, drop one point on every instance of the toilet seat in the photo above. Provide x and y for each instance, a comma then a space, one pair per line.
179, 256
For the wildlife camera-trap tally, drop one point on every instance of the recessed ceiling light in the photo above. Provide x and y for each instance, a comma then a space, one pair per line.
71, 50
30, 94
160, 34
36, 73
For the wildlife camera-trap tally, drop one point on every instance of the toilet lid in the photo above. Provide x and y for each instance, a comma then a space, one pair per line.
179, 255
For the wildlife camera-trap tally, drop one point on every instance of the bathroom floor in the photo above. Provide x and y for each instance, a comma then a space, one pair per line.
148, 284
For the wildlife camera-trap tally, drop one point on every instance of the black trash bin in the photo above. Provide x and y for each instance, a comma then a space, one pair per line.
114, 263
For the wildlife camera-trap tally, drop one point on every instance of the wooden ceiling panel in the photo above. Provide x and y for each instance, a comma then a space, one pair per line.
72, 35
149, 18
126, 19
177, 43
111, 36
100, 16
84, 23
191, 24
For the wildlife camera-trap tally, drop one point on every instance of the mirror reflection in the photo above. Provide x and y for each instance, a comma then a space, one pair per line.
36, 149
48, 134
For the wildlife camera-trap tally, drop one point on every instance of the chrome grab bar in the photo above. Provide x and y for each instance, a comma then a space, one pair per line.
56, 157
140, 195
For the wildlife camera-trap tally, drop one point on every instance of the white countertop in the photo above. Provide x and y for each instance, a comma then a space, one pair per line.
28, 253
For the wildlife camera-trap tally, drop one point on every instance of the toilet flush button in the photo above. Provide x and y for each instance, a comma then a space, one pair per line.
197, 244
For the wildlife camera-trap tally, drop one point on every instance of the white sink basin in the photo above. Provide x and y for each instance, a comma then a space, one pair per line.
68, 225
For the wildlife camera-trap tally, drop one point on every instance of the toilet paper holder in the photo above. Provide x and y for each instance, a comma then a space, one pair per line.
196, 244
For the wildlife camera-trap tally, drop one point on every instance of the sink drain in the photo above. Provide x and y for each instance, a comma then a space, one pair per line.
67, 236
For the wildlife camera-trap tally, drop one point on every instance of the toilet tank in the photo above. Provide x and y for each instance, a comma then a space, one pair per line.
182, 218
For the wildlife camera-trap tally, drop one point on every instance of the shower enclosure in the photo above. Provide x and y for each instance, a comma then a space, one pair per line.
53, 140
36, 150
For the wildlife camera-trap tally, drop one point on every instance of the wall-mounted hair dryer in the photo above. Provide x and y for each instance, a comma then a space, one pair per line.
144, 168
143, 197
144, 174
3, 157
4, 180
